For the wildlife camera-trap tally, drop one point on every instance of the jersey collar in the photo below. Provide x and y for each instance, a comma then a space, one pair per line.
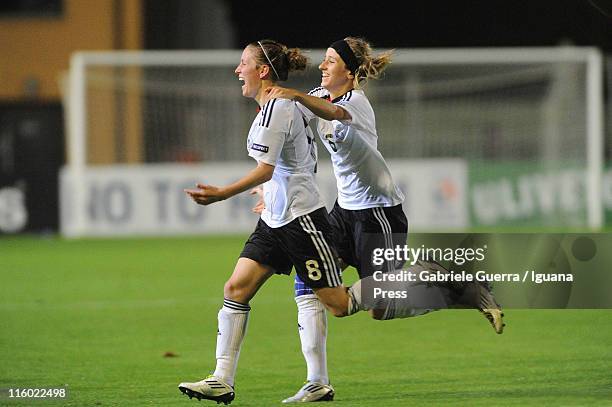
341, 96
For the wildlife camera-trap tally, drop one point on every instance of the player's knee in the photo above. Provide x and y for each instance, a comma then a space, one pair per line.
338, 312
233, 291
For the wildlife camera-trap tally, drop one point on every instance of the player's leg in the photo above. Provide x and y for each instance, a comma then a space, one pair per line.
381, 300
312, 329
259, 259
401, 298
380, 228
474, 294
247, 278
312, 325
306, 242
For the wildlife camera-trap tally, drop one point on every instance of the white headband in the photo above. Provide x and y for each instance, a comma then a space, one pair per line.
268, 58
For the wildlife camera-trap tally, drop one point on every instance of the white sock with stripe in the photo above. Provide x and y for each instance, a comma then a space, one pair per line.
312, 326
233, 319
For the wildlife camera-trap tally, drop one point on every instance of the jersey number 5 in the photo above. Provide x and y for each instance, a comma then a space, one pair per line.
313, 270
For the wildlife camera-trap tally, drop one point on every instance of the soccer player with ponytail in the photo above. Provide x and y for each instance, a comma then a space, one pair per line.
293, 230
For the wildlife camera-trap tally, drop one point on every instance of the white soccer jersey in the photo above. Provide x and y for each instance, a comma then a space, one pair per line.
362, 176
280, 136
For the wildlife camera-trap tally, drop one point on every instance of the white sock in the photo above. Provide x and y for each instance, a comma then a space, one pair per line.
233, 318
420, 297
312, 326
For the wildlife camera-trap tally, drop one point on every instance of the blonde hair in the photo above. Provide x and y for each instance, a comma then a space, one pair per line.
281, 59
370, 66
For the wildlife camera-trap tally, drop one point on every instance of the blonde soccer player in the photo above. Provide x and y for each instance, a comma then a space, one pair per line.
368, 212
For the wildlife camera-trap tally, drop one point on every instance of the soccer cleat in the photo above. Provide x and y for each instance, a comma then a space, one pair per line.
495, 318
211, 388
491, 310
312, 391
478, 295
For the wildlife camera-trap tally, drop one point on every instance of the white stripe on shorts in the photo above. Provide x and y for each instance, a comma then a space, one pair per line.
314, 241
330, 254
379, 214
321, 245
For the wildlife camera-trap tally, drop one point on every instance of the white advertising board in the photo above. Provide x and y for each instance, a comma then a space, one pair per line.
149, 199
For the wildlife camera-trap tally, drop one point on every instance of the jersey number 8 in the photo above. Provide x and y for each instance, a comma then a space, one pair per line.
313, 270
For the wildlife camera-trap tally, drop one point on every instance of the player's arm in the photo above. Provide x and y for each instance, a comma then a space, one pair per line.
320, 107
208, 194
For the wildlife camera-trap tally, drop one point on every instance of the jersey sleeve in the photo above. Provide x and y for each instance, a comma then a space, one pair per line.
319, 92
268, 138
357, 106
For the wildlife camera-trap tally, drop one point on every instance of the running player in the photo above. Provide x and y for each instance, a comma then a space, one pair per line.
368, 212
294, 228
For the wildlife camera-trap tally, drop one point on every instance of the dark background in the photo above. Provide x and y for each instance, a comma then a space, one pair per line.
419, 23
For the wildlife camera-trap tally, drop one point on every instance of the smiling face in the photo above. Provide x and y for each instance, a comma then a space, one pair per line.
335, 76
249, 73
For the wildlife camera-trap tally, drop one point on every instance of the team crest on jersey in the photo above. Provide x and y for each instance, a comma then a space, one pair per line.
259, 147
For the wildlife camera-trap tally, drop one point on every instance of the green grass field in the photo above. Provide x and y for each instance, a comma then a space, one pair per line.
98, 316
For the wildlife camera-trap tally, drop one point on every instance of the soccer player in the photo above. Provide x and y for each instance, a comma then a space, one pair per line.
293, 230
368, 212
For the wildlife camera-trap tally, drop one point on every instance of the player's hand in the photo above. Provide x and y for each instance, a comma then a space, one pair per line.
206, 194
259, 206
278, 92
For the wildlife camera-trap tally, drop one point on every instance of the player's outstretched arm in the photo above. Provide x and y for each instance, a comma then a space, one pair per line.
320, 107
208, 194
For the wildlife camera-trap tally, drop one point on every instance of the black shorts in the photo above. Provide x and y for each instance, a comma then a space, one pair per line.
358, 233
306, 244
